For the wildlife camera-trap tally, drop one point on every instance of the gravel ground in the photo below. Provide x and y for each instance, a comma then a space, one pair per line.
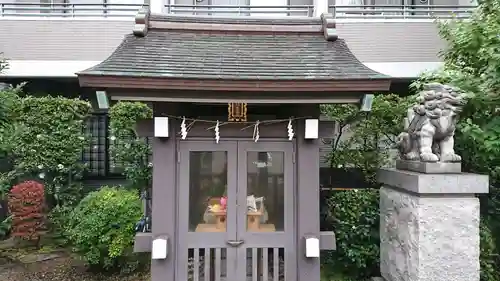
63, 268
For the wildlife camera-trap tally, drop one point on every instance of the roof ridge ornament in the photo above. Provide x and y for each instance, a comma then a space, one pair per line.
329, 27
141, 22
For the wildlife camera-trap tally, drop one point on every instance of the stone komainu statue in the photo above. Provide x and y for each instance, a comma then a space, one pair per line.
430, 125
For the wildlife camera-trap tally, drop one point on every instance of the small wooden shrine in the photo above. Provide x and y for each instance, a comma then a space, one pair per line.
236, 137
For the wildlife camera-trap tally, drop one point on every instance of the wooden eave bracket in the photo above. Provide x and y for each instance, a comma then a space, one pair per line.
329, 27
141, 22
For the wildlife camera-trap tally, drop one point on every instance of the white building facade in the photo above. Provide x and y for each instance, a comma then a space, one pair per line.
56, 38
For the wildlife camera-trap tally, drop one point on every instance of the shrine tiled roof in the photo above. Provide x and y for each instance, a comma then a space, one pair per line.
243, 49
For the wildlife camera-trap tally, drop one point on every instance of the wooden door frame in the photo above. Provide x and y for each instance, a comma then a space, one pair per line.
237, 164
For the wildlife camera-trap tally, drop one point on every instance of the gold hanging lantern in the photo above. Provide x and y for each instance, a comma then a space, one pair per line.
237, 112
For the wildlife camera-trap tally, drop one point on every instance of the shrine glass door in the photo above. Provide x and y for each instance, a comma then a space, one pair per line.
207, 228
266, 208
236, 211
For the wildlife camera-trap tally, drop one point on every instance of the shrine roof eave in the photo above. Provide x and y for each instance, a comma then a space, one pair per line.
128, 82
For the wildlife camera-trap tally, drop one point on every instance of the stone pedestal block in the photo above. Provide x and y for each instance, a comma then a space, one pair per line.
429, 226
429, 167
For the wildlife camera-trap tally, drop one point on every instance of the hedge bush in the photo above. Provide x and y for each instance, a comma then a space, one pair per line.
10, 102
47, 143
101, 228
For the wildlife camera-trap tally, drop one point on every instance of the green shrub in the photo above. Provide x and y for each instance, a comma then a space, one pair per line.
5, 227
354, 216
488, 258
129, 152
58, 219
101, 228
329, 274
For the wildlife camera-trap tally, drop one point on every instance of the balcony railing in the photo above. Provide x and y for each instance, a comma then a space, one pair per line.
339, 11
120, 10
69, 9
241, 10
400, 11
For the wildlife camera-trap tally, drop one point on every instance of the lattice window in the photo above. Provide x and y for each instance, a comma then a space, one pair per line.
96, 152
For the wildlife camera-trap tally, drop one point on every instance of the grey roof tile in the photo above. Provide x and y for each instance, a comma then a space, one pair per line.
233, 55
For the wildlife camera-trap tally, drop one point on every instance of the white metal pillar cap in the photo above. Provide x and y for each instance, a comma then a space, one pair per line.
156, 6
320, 7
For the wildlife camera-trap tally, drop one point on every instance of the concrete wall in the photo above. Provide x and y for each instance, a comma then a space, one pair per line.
61, 39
